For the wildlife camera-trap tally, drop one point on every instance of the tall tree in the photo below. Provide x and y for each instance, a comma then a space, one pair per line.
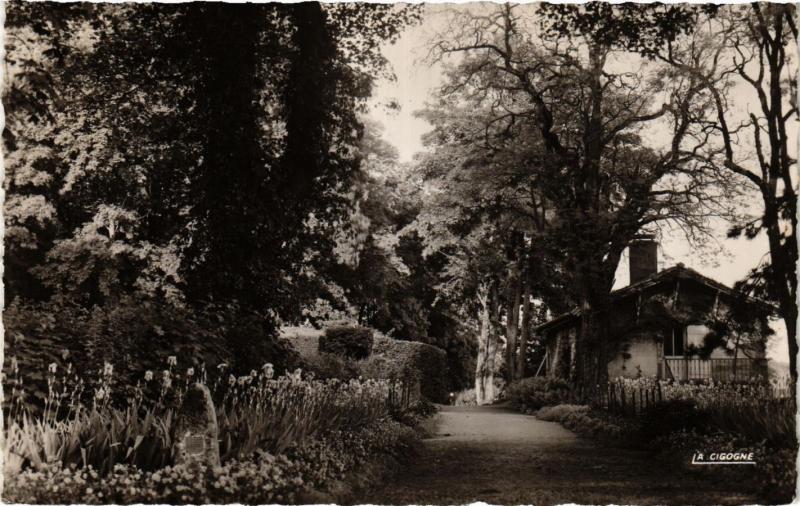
743, 54
586, 107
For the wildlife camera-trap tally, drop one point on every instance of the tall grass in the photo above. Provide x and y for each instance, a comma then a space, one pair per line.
136, 425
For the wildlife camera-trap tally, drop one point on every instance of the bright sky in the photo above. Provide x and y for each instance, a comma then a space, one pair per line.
416, 81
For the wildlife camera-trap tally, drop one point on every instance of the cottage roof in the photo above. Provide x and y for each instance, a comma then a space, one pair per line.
678, 271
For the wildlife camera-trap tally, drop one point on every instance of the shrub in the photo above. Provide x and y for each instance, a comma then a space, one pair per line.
559, 412
415, 413
465, 398
598, 425
535, 393
347, 341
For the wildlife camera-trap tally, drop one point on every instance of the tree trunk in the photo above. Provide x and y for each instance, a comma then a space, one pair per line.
524, 334
487, 347
512, 326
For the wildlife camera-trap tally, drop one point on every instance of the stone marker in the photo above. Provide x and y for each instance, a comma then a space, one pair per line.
196, 431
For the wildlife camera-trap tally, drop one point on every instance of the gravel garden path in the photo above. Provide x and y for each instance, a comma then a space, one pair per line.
497, 456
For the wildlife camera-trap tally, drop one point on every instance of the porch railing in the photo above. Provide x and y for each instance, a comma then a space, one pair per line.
718, 369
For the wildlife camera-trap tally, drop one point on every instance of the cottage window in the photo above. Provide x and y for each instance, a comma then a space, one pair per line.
674, 343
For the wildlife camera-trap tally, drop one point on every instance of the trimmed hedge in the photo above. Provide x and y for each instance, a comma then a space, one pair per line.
330, 366
392, 358
347, 341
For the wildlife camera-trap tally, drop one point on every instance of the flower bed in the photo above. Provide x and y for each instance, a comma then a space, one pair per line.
282, 429
261, 478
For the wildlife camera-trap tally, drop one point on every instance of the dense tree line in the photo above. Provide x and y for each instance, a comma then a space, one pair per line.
198, 155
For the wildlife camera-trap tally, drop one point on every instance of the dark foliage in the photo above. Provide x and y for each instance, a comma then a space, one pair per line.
538, 392
631, 26
673, 416
133, 336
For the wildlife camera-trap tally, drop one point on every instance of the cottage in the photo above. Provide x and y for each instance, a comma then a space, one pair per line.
660, 323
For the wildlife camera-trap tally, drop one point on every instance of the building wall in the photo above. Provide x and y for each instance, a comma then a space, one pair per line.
640, 358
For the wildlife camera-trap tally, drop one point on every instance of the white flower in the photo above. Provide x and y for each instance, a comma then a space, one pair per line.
52, 367
148, 375
108, 369
172, 360
190, 371
231, 379
222, 366
100, 394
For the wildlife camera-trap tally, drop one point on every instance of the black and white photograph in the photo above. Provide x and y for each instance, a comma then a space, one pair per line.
364, 253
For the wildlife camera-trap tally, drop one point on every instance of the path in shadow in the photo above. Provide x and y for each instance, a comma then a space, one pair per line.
498, 456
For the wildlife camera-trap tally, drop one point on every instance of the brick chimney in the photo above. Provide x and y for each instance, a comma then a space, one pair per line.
643, 255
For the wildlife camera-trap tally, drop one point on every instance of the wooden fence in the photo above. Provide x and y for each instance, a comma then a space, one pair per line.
622, 399
631, 398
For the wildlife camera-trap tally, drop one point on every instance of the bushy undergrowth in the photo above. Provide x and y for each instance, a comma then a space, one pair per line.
530, 394
773, 477
757, 411
608, 428
558, 413
415, 413
261, 478
707, 417
465, 398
